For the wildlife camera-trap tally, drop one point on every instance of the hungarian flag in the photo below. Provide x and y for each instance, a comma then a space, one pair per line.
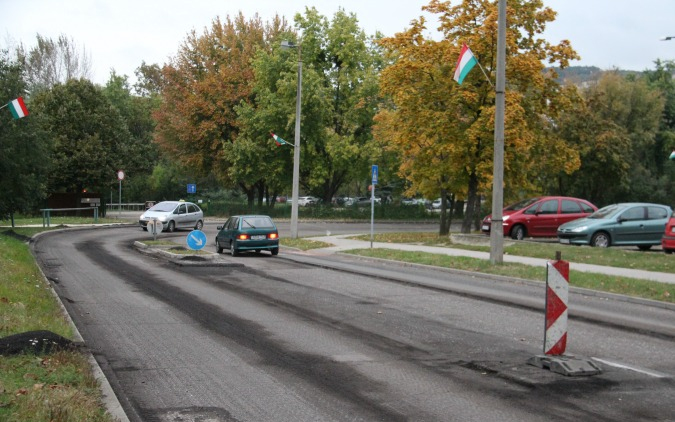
18, 108
278, 140
465, 63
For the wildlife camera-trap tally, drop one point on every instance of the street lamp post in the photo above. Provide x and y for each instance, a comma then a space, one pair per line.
296, 150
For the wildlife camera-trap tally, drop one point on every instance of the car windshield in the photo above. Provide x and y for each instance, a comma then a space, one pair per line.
163, 207
257, 223
522, 204
606, 212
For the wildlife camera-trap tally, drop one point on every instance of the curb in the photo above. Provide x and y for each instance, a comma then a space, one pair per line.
110, 400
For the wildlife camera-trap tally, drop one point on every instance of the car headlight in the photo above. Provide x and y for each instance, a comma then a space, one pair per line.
579, 229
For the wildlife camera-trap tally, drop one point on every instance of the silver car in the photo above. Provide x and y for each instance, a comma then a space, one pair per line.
174, 215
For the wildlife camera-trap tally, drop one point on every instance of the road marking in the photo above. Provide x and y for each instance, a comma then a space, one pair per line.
632, 368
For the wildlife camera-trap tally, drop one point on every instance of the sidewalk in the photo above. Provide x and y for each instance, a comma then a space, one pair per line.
342, 243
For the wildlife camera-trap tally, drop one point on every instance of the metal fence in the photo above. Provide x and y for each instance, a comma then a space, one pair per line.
140, 206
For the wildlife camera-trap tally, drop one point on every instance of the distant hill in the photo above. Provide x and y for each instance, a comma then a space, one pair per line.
583, 75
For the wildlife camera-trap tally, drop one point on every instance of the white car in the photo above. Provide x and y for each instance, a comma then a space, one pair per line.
304, 201
174, 215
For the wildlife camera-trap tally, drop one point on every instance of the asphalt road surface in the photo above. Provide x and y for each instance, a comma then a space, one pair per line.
286, 338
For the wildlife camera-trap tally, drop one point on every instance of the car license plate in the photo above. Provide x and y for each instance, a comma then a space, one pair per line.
565, 241
258, 237
486, 227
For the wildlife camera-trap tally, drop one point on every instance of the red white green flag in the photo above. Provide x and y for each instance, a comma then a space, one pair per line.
18, 108
465, 63
279, 141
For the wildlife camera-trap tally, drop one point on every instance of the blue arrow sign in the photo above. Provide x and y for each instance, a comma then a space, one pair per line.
196, 240
375, 169
191, 188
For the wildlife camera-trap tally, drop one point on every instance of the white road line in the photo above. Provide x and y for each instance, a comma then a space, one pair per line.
632, 368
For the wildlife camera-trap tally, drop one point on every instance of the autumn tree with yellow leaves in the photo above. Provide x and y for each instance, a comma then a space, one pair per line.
443, 132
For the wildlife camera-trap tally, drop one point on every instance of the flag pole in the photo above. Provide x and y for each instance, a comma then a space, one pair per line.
486, 76
4, 106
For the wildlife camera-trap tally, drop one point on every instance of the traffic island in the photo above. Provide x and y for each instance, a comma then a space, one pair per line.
182, 256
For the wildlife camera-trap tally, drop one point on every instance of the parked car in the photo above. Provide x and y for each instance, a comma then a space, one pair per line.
248, 233
174, 215
540, 216
304, 201
629, 224
365, 201
668, 239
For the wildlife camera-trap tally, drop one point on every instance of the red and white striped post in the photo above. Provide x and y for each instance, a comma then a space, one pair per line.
555, 335
557, 294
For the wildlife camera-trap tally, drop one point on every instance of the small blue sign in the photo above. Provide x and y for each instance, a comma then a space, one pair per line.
375, 169
191, 188
196, 240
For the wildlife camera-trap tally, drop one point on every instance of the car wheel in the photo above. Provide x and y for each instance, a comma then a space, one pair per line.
518, 232
199, 225
668, 251
219, 248
600, 239
233, 250
172, 226
275, 251
644, 247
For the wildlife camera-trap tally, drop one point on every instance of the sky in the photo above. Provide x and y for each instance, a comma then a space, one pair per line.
121, 34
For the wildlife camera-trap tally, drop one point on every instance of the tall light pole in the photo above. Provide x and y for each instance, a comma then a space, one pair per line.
497, 229
296, 150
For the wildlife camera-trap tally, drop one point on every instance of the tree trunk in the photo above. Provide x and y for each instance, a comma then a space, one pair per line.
471, 202
444, 229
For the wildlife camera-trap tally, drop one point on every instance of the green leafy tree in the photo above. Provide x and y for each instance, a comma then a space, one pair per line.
339, 100
91, 139
24, 147
444, 132
139, 151
615, 132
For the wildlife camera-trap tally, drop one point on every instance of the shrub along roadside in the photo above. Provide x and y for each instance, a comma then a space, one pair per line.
55, 387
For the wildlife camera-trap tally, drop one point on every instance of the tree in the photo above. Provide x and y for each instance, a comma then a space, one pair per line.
614, 131
211, 75
24, 147
91, 139
50, 62
443, 131
339, 100
136, 112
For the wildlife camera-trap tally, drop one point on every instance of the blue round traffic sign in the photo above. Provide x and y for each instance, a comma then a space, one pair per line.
196, 240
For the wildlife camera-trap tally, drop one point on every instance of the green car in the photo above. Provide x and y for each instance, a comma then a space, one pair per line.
248, 233
630, 224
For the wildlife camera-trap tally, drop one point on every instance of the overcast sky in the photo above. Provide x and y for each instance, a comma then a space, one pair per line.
120, 34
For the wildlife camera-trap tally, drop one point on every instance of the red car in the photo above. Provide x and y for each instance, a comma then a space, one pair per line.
540, 216
668, 240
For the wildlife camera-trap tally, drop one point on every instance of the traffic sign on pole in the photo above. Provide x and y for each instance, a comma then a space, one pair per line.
196, 240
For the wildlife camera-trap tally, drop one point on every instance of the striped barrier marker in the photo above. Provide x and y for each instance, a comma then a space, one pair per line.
555, 335
557, 294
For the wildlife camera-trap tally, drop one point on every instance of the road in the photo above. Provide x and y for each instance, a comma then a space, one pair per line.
264, 338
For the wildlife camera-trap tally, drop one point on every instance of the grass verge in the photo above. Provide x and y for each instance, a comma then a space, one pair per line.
57, 387
601, 282
303, 244
612, 257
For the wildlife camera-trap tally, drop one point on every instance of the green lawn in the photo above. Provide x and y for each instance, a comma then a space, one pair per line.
39, 388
